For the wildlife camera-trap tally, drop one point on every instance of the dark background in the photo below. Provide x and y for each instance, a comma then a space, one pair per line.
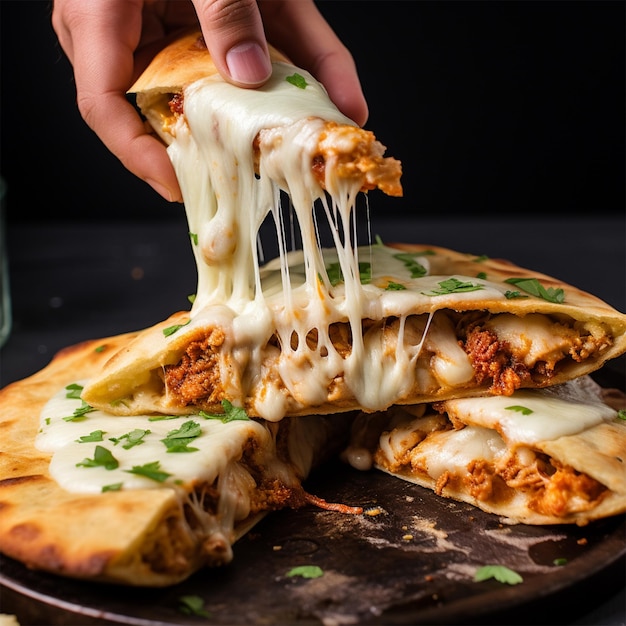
491, 106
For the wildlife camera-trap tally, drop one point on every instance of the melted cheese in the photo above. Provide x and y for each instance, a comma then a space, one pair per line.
529, 417
219, 448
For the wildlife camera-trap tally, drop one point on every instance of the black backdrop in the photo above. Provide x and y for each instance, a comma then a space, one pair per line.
491, 106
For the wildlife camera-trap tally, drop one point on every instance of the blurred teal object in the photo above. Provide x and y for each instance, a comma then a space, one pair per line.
5, 291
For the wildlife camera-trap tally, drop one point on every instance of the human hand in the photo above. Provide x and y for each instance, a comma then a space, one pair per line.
110, 42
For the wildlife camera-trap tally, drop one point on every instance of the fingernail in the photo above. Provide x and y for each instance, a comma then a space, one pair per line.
248, 64
162, 190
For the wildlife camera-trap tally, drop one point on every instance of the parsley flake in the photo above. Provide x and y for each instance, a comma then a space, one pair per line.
297, 80
416, 269
178, 440
520, 409
535, 288
453, 285
170, 330
231, 413
79, 414
150, 470
112, 487
621, 414
193, 605
94, 435
392, 286
101, 458
73, 391
501, 573
335, 275
306, 571
512, 295
133, 438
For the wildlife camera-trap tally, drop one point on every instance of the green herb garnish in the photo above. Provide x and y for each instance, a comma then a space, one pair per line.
150, 470
391, 286
416, 269
520, 409
453, 285
193, 605
94, 435
560, 561
101, 458
194, 238
297, 80
230, 414
170, 330
73, 391
306, 571
501, 573
112, 487
178, 440
133, 438
79, 413
512, 295
621, 414
335, 275
535, 288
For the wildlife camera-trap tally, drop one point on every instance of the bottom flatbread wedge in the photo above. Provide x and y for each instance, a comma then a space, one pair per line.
142, 500
549, 456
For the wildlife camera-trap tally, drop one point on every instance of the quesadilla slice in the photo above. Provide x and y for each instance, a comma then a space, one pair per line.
139, 500
549, 456
419, 324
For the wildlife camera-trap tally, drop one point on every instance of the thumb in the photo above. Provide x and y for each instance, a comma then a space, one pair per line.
233, 32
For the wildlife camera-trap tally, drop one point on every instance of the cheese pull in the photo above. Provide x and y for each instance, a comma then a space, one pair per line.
291, 95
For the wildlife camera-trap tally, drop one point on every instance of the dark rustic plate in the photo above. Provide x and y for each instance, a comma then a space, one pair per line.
414, 562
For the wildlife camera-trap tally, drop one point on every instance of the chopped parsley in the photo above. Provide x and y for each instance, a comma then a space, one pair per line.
73, 391
453, 285
392, 286
150, 470
481, 258
535, 288
512, 295
101, 348
520, 409
416, 269
560, 561
79, 413
193, 605
335, 275
230, 414
101, 458
170, 330
297, 80
306, 571
133, 438
622, 414
501, 573
482, 275
112, 487
94, 435
178, 440
194, 238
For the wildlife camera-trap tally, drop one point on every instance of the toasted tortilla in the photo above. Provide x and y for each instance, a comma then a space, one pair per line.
63, 516
549, 456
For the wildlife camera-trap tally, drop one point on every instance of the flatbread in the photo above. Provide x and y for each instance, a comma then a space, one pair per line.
426, 324
58, 516
550, 456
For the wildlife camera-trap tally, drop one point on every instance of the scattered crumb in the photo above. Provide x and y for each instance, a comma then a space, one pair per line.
582, 541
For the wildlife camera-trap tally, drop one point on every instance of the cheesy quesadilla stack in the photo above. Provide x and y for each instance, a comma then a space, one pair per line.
143, 457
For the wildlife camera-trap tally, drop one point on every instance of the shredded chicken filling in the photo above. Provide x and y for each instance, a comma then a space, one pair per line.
499, 365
